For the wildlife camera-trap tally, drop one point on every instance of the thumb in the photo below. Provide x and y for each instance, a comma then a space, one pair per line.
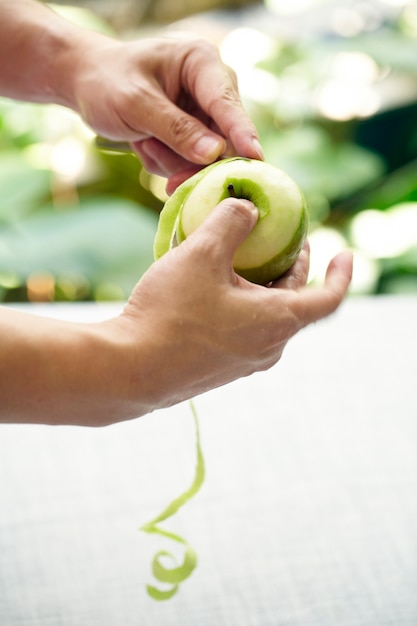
228, 225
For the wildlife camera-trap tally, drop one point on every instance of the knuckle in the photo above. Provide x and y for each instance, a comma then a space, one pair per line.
229, 90
229, 94
210, 252
226, 95
205, 49
181, 127
200, 250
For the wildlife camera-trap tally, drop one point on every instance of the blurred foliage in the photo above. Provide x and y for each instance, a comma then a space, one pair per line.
332, 88
68, 213
335, 108
123, 15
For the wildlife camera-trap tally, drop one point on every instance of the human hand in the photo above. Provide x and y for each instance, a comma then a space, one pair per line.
171, 97
199, 325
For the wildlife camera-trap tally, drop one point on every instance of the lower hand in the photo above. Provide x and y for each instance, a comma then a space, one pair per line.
199, 325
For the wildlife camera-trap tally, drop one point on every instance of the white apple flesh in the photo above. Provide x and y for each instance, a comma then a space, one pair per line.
277, 238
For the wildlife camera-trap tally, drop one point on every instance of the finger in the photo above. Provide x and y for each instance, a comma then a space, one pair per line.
234, 124
230, 150
314, 303
176, 179
158, 158
148, 162
297, 275
214, 88
224, 230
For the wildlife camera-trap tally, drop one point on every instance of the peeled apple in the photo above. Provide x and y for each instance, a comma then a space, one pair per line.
279, 234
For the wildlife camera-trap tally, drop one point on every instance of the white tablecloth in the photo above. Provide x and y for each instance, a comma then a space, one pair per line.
307, 517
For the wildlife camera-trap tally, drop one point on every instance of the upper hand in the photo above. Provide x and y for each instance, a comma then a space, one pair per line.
171, 97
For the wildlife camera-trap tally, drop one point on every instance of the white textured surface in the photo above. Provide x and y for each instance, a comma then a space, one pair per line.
308, 516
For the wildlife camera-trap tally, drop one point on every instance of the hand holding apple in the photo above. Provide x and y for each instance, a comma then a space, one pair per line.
278, 237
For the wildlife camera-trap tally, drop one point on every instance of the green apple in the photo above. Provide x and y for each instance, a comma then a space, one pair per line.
277, 238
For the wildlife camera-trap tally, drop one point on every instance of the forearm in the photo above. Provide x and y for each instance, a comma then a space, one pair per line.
58, 372
39, 53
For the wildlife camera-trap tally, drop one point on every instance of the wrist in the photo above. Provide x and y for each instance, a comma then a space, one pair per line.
66, 49
59, 372
119, 381
40, 52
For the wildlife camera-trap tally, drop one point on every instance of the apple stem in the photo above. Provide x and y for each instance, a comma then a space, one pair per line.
231, 190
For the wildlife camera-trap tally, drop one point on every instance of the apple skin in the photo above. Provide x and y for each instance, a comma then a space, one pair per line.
278, 237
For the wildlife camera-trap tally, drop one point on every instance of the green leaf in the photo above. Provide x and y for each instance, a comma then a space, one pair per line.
106, 240
321, 166
388, 47
22, 187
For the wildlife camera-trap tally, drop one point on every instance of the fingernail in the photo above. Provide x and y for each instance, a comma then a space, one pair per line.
208, 147
255, 212
251, 208
256, 144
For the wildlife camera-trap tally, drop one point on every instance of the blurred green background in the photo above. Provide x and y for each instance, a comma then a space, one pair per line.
332, 88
